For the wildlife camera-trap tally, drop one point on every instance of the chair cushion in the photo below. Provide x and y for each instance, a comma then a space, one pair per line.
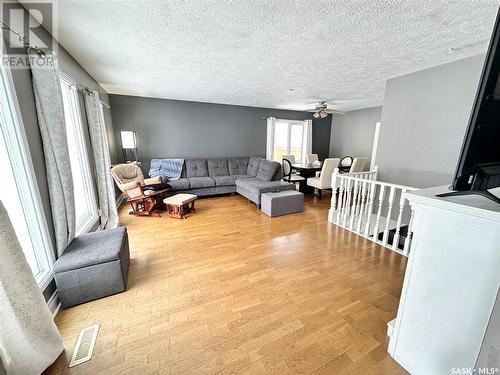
315, 182
268, 169
253, 165
92, 248
237, 166
217, 167
201, 182
196, 168
224, 180
180, 184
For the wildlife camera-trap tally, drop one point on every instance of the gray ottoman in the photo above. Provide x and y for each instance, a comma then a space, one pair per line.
282, 203
93, 266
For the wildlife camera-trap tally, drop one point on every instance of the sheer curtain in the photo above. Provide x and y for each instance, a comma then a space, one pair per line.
105, 190
270, 138
50, 113
307, 139
29, 339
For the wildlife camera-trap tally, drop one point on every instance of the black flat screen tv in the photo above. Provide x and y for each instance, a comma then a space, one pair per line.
478, 168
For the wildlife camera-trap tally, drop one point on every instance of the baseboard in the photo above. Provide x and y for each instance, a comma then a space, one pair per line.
120, 200
54, 303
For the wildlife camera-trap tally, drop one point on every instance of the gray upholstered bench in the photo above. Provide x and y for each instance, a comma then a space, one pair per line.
93, 266
282, 203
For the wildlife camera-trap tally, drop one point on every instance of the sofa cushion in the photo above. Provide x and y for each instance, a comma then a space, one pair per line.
243, 175
180, 184
237, 166
201, 182
224, 180
196, 168
217, 167
267, 169
253, 165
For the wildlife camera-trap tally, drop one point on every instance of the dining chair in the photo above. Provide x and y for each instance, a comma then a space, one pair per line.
291, 158
311, 158
324, 181
358, 165
288, 176
345, 163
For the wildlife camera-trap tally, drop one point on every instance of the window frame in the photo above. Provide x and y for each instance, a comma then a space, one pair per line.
18, 151
289, 136
85, 163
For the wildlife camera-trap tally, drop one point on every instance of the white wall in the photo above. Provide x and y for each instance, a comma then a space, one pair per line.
424, 119
352, 133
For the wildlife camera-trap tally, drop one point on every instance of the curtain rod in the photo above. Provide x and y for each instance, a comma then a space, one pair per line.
22, 38
27, 45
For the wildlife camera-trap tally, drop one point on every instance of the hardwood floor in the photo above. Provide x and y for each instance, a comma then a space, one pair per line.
229, 290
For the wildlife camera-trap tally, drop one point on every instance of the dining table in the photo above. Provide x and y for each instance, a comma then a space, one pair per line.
307, 170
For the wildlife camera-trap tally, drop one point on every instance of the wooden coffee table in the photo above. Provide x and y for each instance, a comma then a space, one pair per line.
179, 205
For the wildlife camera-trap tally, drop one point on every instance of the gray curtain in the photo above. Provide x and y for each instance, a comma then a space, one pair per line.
50, 112
100, 149
29, 339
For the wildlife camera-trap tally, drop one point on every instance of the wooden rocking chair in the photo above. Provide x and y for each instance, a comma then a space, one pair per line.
130, 180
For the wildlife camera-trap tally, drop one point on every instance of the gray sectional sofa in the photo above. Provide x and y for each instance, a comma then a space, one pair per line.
248, 176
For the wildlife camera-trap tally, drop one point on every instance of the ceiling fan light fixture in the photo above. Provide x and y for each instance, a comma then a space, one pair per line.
323, 114
316, 114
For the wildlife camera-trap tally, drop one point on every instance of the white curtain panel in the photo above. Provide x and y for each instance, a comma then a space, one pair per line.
29, 339
100, 149
50, 113
307, 146
271, 121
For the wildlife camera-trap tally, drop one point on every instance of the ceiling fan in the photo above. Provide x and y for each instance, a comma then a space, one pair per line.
321, 110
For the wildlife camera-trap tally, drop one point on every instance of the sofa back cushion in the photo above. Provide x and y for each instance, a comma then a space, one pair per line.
196, 168
237, 166
253, 165
217, 167
267, 169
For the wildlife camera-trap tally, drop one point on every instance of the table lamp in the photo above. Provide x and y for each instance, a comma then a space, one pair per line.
129, 145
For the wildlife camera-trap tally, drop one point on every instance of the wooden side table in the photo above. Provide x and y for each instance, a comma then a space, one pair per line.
179, 205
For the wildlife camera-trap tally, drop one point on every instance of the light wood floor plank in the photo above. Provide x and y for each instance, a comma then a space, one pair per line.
230, 291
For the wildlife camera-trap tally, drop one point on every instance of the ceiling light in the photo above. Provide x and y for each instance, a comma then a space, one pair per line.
316, 115
323, 114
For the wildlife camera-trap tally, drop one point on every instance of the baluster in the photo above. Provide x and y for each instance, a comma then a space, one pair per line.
371, 198
354, 203
348, 203
362, 207
395, 241
379, 213
406, 247
334, 189
388, 219
341, 202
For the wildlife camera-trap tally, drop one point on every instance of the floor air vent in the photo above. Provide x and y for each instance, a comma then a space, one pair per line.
84, 345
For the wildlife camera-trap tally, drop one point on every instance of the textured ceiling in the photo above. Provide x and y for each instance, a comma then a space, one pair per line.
278, 54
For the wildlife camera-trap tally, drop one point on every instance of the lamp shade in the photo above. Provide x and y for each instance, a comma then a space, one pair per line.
128, 139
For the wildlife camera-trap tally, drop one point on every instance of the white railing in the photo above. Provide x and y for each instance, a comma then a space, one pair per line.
372, 209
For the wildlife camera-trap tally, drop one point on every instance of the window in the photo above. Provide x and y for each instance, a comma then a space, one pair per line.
19, 191
289, 139
83, 182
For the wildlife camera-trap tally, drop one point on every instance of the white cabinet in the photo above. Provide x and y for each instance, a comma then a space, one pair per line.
450, 285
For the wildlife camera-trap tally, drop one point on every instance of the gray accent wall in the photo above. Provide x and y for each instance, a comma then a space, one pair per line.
424, 118
352, 134
172, 128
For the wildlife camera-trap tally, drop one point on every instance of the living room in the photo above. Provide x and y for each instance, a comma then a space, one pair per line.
240, 187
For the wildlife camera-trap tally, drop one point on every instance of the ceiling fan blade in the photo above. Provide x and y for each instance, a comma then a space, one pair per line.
335, 111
